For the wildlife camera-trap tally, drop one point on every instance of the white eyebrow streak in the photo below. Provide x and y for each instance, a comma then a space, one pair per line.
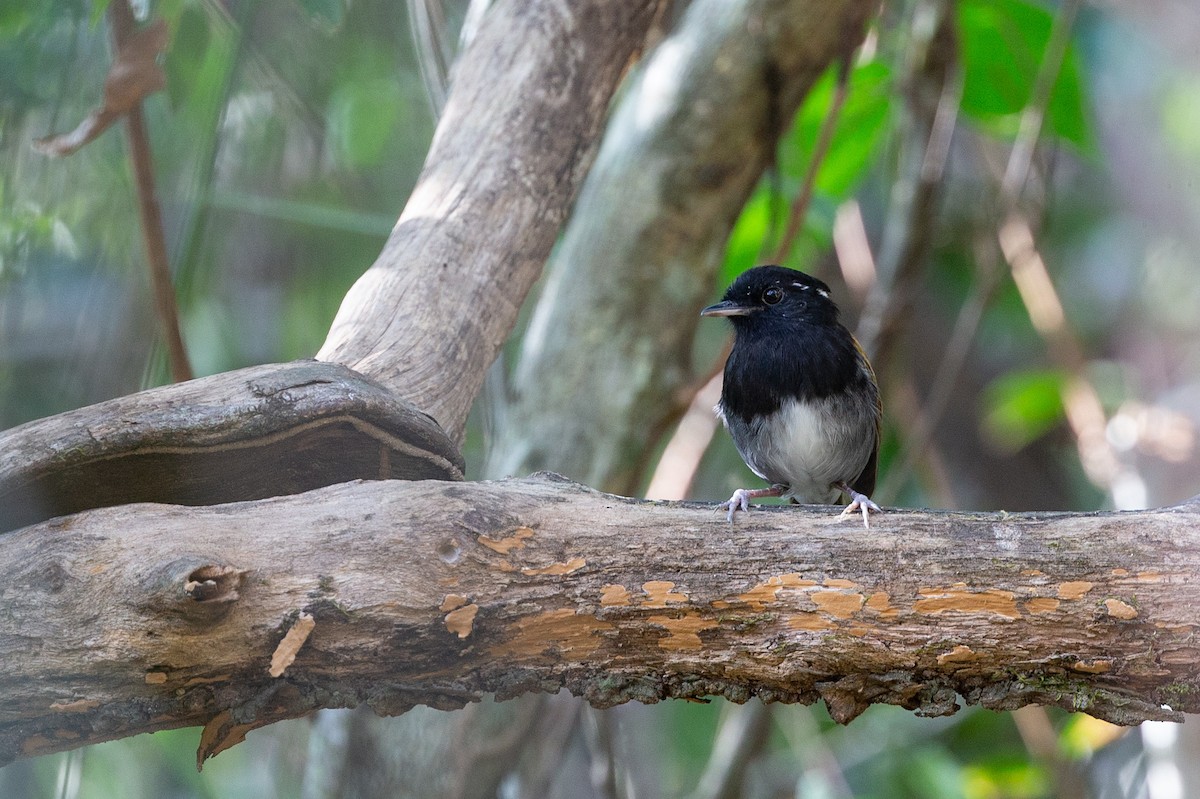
803, 287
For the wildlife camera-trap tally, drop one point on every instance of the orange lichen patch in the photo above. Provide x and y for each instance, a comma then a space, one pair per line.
285, 652
574, 633
1074, 589
958, 599
837, 582
451, 602
613, 595
959, 654
1032, 573
1092, 666
684, 631
808, 621
1120, 572
76, 706
510, 542
838, 604
1184, 629
1042, 604
1150, 577
658, 594
762, 594
572, 565
34, 744
156, 677
460, 621
1120, 610
881, 603
859, 630
506, 566
720, 604
206, 680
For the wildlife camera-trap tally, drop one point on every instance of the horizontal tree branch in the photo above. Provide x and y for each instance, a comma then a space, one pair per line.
144, 617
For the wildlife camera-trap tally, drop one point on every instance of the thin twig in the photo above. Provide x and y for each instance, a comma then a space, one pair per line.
741, 736
681, 457
932, 90
1016, 237
427, 21
1034, 114
1016, 175
824, 138
153, 238
605, 769
954, 357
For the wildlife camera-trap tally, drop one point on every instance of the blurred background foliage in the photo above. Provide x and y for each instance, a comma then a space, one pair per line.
291, 133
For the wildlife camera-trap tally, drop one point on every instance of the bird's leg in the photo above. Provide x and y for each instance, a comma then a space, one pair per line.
858, 502
741, 498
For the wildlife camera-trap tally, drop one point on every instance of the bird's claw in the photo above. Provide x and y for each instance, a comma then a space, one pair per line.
861, 502
739, 501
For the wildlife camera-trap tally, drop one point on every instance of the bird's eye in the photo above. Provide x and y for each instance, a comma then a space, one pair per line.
772, 295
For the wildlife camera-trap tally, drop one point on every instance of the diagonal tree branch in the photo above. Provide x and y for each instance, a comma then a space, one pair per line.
147, 617
429, 317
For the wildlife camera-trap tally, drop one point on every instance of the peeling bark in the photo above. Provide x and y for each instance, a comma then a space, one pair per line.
146, 617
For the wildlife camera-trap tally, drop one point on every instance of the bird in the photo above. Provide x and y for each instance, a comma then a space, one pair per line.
799, 397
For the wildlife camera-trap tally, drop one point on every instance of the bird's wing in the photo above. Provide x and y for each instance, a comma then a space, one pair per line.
865, 482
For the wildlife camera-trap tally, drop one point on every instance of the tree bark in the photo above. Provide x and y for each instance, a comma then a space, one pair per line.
145, 617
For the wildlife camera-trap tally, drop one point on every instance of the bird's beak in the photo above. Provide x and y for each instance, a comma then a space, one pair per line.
727, 308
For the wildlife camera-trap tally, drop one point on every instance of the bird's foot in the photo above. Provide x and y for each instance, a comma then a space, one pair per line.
860, 502
741, 499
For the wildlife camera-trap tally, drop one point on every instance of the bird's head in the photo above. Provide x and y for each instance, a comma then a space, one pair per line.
770, 295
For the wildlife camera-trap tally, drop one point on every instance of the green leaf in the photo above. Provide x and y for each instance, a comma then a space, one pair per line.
14, 18
185, 58
362, 118
98, 9
1003, 43
1022, 406
861, 123
748, 234
328, 13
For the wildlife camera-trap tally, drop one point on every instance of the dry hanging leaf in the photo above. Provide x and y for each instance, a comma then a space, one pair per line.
220, 733
134, 75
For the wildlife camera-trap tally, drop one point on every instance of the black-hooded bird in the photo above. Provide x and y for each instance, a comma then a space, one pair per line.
800, 398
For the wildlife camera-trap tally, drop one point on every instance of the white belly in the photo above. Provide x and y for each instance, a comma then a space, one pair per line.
808, 446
